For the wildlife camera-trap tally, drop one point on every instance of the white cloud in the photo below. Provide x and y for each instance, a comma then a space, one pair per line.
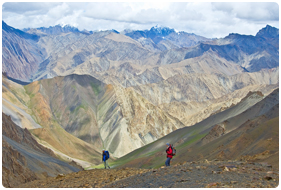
258, 11
28, 8
206, 19
60, 11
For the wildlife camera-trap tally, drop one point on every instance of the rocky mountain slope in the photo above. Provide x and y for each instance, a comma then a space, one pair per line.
24, 160
21, 55
262, 48
130, 74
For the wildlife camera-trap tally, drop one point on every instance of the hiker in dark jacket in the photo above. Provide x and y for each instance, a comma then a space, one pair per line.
169, 152
105, 156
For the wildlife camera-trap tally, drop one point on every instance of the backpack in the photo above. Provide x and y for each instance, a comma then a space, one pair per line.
174, 150
106, 155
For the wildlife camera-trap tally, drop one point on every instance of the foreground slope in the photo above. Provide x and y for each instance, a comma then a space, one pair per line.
186, 175
24, 160
254, 122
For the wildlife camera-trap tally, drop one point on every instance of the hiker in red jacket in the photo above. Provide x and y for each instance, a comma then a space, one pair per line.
169, 152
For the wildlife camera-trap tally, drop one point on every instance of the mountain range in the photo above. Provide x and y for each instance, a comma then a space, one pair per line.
130, 92
104, 53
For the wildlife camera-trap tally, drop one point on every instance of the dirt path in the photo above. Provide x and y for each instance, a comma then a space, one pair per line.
193, 174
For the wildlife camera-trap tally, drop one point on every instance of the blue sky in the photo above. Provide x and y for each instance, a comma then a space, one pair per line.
207, 19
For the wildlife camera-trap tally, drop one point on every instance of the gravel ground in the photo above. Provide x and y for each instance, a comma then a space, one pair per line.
208, 174
185, 175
